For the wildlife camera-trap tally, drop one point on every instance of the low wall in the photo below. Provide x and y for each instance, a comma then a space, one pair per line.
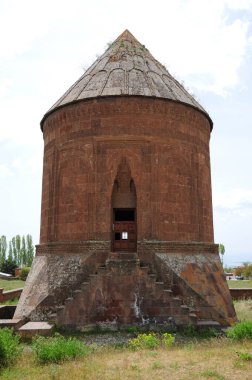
9, 294
240, 294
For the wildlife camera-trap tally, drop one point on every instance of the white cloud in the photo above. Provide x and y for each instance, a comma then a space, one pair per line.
5, 172
237, 200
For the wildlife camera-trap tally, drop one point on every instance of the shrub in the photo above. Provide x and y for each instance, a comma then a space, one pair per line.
8, 266
144, 341
9, 347
192, 331
167, 340
242, 330
24, 273
58, 348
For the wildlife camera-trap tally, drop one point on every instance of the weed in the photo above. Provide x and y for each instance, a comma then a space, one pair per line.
24, 273
135, 329
175, 365
245, 356
58, 348
167, 340
9, 347
149, 341
157, 365
241, 330
192, 332
213, 374
134, 367
153, 353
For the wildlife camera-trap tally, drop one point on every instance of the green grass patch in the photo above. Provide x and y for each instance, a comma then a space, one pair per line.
9, 347
212, 374
12, 302
11, 284
241, 330
57, 349
245, 356
239, 284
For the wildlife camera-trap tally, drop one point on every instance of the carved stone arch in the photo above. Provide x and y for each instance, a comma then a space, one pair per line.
124, 190
133, 161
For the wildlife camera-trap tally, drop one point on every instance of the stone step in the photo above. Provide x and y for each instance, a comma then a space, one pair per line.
168, 291
69, 299
52, 317
204, 323
60, 307
159, 285
145, 270
84, 285
31, 329
185, 309
12, 323
76, 292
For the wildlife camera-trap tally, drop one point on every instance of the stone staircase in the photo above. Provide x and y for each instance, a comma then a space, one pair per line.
125, 293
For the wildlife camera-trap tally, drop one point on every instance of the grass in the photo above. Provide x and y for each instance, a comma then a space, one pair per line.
11, 284
233, 284
241, 330
12, 302
213, 359
243, 310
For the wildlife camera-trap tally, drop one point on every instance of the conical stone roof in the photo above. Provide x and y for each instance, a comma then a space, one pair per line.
126, 68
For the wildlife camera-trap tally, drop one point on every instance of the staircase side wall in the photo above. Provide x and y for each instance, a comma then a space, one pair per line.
57, 270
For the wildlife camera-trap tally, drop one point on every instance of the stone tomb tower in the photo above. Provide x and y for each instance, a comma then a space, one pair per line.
126, 218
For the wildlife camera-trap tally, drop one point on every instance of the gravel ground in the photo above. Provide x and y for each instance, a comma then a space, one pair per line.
108, 339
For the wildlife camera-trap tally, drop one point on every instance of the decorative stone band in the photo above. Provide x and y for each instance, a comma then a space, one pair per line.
176, 247
104, 247
72, 247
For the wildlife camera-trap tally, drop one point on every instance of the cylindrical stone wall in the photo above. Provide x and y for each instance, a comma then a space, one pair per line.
165, 144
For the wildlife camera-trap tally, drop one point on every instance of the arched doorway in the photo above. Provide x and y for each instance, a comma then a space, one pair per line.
124, 211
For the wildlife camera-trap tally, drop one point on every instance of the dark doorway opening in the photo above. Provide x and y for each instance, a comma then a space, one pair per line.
123, 215
124, 230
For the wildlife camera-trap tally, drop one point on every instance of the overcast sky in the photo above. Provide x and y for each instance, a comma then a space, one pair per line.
207, 44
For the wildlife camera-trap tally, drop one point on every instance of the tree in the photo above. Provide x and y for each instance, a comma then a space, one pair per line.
3, 244
238, 271
14, 249
221, 251
10, 255
247, 271
30, 250
18, 249
23, 252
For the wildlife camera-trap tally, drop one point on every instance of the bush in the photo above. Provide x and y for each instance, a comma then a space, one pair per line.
9, 347
24, 273
8, 266
168, 340
58, 348
242, 330
144, 341
151, 341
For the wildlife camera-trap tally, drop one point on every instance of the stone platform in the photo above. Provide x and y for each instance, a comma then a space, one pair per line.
11, 323
31, 329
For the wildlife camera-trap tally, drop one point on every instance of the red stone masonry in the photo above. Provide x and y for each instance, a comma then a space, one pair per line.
166, 145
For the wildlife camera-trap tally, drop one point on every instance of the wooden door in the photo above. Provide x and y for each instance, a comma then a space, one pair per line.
124, 231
